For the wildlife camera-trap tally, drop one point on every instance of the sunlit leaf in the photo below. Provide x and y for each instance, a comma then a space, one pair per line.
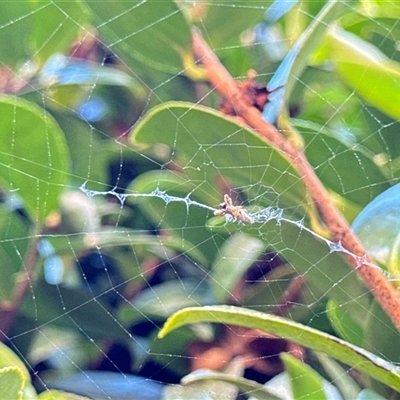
366, 69
11, 383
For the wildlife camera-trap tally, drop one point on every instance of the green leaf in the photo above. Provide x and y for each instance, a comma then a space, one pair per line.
34, 158
63, 21
312, 258
366, 69
214, 19
345, 352
183, 219
14, 238
344, 324
332, 160
12, 381
378, 227
155, 33
9, 359
305, 382
343, 381
22, 23
257, 391
58, 395
212, 148
236, 255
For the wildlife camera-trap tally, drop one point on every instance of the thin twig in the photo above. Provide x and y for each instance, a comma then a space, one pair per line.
227, 87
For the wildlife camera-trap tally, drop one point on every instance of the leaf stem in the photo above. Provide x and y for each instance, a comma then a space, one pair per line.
340, 231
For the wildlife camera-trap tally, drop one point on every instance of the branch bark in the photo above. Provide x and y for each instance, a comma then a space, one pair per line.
227, 87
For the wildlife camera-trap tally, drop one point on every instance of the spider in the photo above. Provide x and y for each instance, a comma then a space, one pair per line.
238, 213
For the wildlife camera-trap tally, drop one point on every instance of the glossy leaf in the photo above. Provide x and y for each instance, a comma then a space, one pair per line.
366, 69
60, 70
378, 227
345, 352
34, 159
210, 147
155, 33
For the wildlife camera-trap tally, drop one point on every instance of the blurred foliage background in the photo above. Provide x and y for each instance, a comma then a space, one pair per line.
114, 155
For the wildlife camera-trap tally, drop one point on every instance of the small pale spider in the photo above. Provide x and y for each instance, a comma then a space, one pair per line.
238, 213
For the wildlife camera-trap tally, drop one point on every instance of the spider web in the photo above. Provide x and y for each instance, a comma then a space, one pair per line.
136, 237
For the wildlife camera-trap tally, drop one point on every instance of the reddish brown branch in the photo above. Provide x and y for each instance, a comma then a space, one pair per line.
340, 231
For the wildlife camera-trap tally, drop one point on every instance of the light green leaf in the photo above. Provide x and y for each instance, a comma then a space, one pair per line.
345, 352
58, 395
366, 69
34, 158
9, 359
306, 383
12, 381
343, 323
